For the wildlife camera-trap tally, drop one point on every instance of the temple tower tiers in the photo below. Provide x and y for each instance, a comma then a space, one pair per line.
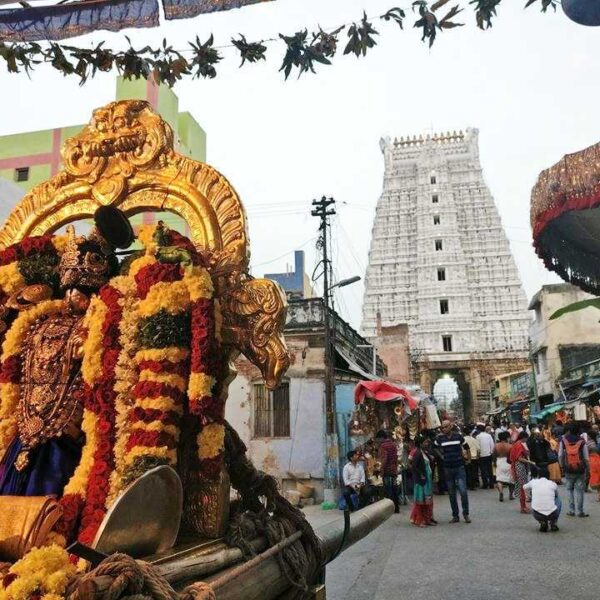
439, 259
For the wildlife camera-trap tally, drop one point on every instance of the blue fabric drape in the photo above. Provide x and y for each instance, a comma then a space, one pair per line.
51, 465
58, 22
183, 9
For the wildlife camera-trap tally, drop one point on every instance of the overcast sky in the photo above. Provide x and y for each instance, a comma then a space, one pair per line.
530, 85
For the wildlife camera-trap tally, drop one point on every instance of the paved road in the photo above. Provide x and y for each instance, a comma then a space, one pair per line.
500, 555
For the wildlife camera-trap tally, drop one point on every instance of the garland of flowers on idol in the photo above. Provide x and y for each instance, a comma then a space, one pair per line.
150, 343
30, 261
176, 356
138, 369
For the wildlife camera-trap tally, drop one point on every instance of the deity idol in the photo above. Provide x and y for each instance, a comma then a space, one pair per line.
42, 457
109, 370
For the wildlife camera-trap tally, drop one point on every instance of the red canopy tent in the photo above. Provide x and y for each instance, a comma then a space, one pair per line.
383, 391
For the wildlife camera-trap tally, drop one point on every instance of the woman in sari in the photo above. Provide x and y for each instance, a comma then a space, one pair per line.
519, 460
422, 512
553, 466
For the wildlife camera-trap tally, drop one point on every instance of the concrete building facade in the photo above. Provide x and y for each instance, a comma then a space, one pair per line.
560, 345
440, 262
284, 430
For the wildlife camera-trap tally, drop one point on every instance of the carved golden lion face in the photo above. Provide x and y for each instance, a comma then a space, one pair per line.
128, 131
122, 127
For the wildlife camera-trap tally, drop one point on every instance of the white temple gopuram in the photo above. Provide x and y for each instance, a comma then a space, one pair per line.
440, 263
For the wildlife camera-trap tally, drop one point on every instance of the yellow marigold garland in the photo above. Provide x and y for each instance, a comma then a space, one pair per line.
44, 571
172, 354
170, 296
78, 482
13, 342
211, 441
125, 375
139, 263
11, 279
200, 385
91, 367
176, 381
174, 298
199, 283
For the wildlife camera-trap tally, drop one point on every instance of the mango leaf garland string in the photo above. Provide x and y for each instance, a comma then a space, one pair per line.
304, 50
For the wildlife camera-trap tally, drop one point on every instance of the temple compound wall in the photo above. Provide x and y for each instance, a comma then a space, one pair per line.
440, 263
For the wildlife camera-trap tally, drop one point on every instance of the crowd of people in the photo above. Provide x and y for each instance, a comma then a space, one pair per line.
519, 461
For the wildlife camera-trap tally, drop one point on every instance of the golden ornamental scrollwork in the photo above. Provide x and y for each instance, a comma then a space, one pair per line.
253, 321
125, 158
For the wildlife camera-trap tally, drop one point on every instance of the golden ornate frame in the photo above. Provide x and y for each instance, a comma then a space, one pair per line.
125, 158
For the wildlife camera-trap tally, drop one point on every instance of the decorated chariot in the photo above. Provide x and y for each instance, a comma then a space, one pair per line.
116, 357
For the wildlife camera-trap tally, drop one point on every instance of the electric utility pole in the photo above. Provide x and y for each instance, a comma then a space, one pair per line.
323, 209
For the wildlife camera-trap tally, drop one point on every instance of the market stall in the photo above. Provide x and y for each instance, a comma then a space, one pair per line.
383, 405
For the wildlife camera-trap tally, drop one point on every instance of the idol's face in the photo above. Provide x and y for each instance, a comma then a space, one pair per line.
85, 267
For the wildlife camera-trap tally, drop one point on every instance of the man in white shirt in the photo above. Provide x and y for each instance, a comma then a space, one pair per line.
354, 480
473, 465
545, 503
486, 451
499, 430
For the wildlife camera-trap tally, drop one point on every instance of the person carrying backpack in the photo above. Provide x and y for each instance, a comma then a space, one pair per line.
574, 459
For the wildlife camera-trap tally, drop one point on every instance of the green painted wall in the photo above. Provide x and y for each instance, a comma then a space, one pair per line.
192, 136
69, 132
23, 144
37, 174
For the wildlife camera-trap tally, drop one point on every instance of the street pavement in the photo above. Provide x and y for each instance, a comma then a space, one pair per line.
500, 555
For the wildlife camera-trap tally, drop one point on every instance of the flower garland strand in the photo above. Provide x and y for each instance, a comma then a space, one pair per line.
101, 400
42, 574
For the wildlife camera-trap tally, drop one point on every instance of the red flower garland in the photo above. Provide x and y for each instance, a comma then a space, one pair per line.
149, 275
37, 244
101, 400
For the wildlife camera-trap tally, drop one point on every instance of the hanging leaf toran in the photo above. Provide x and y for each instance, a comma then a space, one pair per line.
303, 51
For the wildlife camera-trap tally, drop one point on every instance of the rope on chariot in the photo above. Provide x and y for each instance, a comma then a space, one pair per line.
131, 579
263, 511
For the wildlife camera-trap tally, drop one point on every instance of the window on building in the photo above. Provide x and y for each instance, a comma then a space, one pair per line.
540, 362
441, 274
271, 411
22, 174
435, 198
444, 308
436, 219
438, 244
433, 180
447, 343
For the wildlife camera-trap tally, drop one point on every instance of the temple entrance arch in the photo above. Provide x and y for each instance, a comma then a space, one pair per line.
473, 376
458, 406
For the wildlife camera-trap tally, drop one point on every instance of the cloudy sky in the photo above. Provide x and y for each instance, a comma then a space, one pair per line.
530, 85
